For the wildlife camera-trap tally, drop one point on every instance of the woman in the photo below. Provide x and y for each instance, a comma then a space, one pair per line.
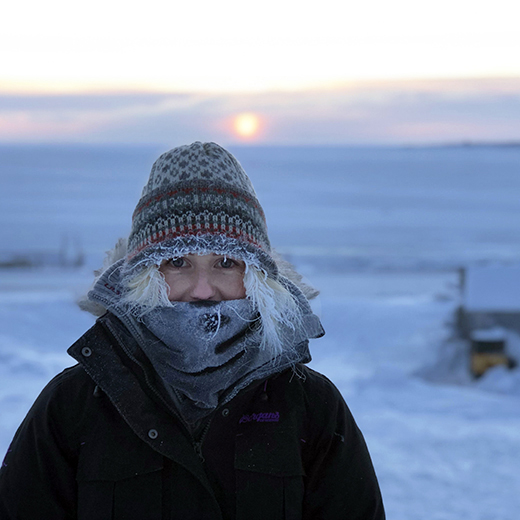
191, 399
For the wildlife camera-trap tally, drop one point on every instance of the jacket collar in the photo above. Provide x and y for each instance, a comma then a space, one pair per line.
111, 358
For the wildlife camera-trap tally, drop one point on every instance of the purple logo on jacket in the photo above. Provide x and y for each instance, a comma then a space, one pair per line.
260, 417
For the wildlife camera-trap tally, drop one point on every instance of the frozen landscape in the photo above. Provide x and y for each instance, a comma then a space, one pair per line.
381, 232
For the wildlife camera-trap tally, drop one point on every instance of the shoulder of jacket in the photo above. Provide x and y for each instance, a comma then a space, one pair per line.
325, 407
317, 385
62, 408
71, 384
307, 381
69, 376
310, 392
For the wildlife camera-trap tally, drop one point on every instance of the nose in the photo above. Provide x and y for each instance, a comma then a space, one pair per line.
203, 288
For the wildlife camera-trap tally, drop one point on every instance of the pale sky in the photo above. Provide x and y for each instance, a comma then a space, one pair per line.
109, 69
234, 45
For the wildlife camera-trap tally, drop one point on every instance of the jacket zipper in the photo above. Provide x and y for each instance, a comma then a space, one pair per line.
197, 445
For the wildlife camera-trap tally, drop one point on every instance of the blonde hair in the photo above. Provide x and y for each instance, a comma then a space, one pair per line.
277, 306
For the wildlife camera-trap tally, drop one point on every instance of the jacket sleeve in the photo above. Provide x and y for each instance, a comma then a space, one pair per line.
38, 475
340, 479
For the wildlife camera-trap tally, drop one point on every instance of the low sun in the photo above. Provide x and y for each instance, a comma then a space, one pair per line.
246, 125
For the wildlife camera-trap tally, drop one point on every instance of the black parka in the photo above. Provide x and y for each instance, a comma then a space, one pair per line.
104, 442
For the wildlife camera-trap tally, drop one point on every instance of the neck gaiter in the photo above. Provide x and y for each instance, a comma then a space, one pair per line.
205, 352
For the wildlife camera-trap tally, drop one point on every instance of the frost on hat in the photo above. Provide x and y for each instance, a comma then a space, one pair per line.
199, 200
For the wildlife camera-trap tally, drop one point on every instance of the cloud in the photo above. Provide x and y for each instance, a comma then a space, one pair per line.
356, 113
79, 102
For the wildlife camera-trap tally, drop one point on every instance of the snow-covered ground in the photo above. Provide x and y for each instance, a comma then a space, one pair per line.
444, 447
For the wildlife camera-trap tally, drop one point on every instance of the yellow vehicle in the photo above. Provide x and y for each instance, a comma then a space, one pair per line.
488, 349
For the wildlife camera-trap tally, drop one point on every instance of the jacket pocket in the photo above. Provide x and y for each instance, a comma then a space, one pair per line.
269, 477
116, 485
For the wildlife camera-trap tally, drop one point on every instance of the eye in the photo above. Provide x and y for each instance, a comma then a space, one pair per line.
177, 262
227, 263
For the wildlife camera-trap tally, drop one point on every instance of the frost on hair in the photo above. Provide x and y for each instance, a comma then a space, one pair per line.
145, 289
277, 307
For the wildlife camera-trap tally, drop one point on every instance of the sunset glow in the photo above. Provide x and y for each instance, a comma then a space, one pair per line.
372, 72
247, 125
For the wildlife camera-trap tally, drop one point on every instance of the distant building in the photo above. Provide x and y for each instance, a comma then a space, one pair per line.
490, 297
490, 305
69, 255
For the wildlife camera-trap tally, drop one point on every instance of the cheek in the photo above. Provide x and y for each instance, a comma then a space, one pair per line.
234, 288
174, 284
167, 279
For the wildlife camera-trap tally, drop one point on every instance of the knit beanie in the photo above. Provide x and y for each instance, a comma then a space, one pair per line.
199, 200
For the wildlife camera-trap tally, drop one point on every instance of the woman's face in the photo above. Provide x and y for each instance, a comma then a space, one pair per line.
205, 277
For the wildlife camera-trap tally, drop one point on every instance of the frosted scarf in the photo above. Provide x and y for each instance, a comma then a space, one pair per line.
205, 352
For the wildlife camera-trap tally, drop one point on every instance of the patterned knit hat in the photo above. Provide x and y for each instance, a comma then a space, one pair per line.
199, 200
